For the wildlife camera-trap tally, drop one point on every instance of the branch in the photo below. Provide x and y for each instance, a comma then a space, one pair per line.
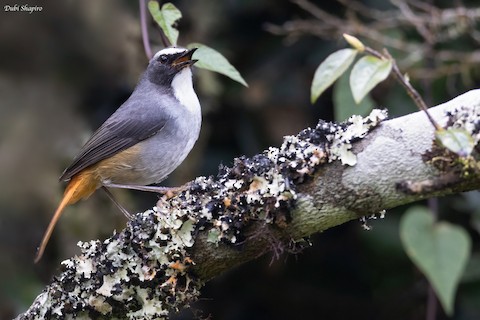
316, 180
436, 26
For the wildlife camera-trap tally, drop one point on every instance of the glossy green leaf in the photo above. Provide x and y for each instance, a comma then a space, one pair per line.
166, 17
212, 60
366, 74
456, 140
344, 105
439, 249
329, 71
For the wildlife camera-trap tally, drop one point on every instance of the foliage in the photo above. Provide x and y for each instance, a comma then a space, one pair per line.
439, 249
366, 74
212, 60
209, 59
345, 106
367, 271
457, 140
166, 17
330, 70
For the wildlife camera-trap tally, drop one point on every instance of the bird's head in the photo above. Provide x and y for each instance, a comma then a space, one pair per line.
169, 62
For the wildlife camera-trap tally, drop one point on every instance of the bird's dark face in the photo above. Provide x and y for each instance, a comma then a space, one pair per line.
167, 63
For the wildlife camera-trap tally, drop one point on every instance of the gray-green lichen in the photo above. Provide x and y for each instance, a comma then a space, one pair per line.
136, 274
465, 118
143, 272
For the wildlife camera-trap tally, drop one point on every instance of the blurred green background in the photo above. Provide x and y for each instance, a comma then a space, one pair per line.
65, 69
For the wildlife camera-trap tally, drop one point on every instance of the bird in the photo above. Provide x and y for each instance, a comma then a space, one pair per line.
143, 141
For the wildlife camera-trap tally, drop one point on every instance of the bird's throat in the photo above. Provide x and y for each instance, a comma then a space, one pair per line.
182, 86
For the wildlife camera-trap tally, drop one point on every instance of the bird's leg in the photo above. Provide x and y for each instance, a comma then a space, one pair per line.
157, 189
117, 204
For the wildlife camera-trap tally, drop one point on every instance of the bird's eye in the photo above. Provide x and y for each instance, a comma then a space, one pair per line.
163, 58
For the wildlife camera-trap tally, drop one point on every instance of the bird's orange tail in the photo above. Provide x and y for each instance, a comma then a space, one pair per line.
81, 186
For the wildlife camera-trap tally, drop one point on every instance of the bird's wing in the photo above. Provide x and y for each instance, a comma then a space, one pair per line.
116, 134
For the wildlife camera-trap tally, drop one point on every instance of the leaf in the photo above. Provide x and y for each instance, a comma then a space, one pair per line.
354, 42
456, 140
366, 74
440, 250
344, 105
329, 70
166, 18
213, 60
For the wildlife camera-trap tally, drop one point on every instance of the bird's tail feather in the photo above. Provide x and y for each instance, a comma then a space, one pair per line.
81, 186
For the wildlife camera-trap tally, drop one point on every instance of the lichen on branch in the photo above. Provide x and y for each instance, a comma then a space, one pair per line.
144, 272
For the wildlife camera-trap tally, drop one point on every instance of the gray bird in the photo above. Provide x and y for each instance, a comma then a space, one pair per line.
143, 141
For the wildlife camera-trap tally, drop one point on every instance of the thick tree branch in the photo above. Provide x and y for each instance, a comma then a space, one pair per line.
269, 202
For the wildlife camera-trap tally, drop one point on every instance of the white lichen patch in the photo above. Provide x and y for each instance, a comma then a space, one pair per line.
85, 267
364, 220
344, 154
150, 307
144, 271
354, 128
263, 187
136, 273
184, 234
467, 119
107, 286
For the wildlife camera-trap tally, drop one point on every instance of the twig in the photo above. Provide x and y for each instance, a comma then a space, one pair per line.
363, 10
319, 13
143, 24
411, 91
145, 37
414, 20
436, 24
431, 304
165, 41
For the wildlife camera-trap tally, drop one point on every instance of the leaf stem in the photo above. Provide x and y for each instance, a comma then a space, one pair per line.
405, 83
431, 304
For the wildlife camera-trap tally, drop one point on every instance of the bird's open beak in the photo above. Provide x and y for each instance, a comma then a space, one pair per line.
185, 59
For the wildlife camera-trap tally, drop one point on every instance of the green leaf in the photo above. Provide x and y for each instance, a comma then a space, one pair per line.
439, 249
344, 105
212, 60
329, 70
456, 140
366, 74
166, 18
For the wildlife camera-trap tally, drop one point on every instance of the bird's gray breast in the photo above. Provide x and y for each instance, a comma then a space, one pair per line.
167, 149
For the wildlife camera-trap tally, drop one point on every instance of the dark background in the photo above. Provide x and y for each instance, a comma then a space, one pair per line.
65, 69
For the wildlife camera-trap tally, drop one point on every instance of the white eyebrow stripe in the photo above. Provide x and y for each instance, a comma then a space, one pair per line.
168, 51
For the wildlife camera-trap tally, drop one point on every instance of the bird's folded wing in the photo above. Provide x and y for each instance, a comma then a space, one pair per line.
115, 135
